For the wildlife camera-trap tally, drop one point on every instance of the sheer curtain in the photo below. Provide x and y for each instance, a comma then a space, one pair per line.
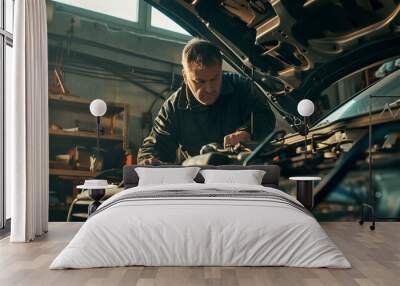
27, 123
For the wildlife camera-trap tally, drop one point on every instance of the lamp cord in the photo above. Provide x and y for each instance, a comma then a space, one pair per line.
98, 137
305, 140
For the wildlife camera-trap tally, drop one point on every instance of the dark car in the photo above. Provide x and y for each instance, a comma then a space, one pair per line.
342, 55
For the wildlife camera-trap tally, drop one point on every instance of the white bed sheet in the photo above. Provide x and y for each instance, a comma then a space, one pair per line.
200, 231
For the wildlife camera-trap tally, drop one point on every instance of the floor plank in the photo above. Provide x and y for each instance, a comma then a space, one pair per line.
374, 255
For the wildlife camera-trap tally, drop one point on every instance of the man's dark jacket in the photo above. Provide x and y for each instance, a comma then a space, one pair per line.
183, 122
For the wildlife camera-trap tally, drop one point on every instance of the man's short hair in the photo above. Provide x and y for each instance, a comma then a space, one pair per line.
201, 52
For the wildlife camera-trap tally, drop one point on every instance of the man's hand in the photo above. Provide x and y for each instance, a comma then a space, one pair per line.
236, 137
150, 161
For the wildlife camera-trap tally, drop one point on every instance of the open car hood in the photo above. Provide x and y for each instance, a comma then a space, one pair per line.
293, 49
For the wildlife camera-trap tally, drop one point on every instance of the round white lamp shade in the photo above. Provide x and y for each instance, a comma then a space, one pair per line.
98, 107
305, 107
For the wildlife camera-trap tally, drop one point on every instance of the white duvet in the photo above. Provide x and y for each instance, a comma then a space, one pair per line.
200, 231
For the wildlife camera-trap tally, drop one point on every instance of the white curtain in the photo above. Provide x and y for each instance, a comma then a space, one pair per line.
27, 123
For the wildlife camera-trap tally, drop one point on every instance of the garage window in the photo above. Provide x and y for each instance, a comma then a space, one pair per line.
124, 9
159, 20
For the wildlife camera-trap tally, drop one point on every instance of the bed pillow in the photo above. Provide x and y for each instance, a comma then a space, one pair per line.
163, 176
247, 177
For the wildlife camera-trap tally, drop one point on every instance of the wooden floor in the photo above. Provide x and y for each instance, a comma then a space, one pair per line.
375, 257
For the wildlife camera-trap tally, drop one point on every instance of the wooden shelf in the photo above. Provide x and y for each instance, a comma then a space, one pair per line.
72, 107
84, 134
77, 103
73, 173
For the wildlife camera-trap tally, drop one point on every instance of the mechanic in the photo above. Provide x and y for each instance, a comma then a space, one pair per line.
210, 106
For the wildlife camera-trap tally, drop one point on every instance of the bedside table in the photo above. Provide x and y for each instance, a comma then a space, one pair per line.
305, 190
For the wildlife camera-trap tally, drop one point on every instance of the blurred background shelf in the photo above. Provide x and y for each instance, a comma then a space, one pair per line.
84, 134
72, 142
60, 101
72, 112
73, 173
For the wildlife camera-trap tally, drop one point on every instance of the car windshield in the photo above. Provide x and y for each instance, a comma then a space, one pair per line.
359, 104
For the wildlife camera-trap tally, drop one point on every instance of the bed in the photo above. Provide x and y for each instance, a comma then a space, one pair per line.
198, 224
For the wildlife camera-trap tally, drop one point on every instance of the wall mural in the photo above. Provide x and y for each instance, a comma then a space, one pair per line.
183, 104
